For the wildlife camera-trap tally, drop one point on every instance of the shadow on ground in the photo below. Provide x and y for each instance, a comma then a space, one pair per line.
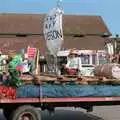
68, 115
63, 115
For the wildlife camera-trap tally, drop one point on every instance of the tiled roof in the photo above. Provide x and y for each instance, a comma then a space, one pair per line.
33, 23
92, 29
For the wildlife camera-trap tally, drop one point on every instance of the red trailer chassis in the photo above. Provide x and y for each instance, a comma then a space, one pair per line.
57, 100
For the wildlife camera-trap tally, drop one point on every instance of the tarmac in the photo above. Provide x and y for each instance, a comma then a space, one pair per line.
99, 113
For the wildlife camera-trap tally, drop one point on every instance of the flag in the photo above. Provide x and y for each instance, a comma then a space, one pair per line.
109, 48
31, 52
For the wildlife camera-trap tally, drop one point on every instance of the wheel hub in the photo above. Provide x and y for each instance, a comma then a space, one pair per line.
26, 116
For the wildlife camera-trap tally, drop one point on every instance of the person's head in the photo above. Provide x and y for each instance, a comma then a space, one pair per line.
25, 56
73, 53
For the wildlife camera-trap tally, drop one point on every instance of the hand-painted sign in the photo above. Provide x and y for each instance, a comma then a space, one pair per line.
53, 30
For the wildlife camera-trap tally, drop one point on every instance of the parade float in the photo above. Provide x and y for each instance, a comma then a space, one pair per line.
97, 82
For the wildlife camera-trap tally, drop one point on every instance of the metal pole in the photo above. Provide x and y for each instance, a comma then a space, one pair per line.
59, 4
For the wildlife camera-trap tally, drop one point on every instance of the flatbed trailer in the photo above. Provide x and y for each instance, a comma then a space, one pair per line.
20, 108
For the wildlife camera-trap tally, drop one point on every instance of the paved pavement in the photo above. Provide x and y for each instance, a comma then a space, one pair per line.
99, 113
107, 112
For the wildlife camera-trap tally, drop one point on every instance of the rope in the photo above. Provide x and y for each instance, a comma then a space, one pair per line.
41, 95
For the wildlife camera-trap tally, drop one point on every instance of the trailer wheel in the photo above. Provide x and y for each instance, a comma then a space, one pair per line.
25, 113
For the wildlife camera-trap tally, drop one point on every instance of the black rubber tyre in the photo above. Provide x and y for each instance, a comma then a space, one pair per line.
25, 112
7, 113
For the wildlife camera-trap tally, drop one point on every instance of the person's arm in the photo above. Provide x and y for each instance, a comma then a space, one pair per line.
79, 64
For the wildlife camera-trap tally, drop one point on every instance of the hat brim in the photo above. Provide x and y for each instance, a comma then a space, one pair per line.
73, 53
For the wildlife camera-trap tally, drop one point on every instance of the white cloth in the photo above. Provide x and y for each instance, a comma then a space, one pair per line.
26, 67
2, 64
74, 63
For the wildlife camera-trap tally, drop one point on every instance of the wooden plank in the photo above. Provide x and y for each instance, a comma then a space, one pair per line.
67, 79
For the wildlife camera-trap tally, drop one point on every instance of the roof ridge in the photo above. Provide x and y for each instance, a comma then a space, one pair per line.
45, 13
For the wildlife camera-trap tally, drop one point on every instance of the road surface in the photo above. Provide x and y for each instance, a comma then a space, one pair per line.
99, 113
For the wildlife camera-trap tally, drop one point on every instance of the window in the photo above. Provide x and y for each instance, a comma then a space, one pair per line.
102, 59
85, 59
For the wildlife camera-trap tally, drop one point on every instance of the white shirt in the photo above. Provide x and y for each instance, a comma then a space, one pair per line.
74, 63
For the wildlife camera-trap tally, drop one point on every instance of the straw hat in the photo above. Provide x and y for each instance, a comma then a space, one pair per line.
12, 54
73, 51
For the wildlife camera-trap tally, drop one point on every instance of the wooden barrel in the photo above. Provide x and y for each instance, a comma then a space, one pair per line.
108, 71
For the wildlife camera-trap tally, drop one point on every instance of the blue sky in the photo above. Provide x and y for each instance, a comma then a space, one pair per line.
108, 9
